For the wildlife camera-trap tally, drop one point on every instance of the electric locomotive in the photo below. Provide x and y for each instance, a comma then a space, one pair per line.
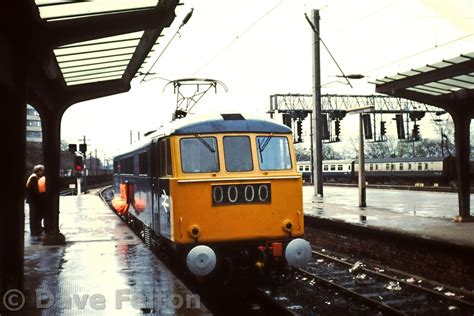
222, 191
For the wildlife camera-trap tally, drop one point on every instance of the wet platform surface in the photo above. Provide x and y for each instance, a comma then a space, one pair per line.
104, 269
425, 214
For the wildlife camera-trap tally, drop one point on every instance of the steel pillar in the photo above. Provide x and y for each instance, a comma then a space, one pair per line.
14, 75
51, 126
463, 149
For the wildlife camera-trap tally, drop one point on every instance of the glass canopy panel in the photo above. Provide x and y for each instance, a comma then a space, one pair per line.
94, 71
105, 45
424, 91
440, 64
465, 78
433, 89
410, 73
58, 10
106, 78
424, 69
96, 54
90, 68
95, 61
456, 83
440, 85
95, 75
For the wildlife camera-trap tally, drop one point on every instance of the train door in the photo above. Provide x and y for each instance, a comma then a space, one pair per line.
162, 203
154, 176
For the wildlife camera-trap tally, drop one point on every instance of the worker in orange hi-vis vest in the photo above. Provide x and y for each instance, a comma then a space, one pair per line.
35, 200
43, 211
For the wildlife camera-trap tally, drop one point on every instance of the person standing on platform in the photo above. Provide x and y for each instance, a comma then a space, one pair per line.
42, 200
34, 199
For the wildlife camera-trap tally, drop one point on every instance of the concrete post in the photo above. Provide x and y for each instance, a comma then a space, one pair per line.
318, 141
362, 187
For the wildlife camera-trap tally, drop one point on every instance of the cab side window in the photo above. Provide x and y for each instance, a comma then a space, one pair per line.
164, 150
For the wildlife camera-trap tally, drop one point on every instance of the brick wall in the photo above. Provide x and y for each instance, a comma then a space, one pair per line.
436, 260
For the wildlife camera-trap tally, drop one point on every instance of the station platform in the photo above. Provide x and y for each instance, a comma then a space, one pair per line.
411, 231
399, 215
104, 269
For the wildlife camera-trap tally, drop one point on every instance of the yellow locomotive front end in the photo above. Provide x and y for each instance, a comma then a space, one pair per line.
236, 195
245, 199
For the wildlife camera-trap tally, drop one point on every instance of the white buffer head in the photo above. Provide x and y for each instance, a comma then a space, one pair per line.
298, 252
201, 260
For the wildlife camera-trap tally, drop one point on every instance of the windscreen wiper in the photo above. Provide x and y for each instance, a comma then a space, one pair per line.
209, 147
262, 145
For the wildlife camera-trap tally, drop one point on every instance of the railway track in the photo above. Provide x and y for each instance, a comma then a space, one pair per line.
389, 293
257, 302
348, 286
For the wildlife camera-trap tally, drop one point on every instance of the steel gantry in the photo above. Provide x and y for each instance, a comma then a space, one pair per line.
283, 103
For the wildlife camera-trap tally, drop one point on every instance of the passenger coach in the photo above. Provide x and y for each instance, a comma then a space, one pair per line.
220, 190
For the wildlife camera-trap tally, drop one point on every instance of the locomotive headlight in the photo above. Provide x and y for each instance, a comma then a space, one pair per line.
298, 252
287, 225
194, 231
201, 260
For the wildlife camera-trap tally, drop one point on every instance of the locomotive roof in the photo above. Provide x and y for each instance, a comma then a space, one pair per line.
221, 123
211, 123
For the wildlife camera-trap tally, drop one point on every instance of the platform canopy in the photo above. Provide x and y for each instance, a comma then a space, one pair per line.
87, 49
448, 84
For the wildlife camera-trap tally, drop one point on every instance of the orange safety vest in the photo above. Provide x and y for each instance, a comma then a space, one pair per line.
121, 204
42, 184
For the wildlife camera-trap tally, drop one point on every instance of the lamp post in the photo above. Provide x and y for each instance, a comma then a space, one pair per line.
317, 162
362, 186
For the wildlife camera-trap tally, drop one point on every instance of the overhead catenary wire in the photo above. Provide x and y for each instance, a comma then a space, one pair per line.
237, 37
327, 49
419, 53
185, 20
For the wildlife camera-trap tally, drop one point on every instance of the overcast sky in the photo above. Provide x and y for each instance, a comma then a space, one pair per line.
259, 48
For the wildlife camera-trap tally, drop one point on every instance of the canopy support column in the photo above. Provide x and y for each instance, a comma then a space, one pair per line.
51, 126
463, 150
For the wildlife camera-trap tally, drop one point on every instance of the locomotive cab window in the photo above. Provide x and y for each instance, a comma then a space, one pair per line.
273, 153
143, 163
199, 154
325, 167
238, 154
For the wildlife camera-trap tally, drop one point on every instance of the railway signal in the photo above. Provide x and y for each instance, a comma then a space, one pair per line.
337, 127
72, 148
324, 122
367, 126
287, 119
383, 129
416, 132
299, 131
83, 148
78, 163
400, 126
